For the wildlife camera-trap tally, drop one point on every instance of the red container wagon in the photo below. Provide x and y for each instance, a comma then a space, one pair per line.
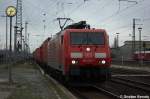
38, 54
144, 55
44, 52
33, 55
79, 51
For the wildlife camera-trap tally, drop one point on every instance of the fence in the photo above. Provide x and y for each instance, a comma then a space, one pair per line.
6, 57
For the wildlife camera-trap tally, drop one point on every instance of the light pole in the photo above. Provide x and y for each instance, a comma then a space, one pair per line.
6, 33
44, 21
117, 40
133, 34
140, 45
10, 12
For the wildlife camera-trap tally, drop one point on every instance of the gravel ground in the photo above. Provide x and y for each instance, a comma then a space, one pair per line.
28, 84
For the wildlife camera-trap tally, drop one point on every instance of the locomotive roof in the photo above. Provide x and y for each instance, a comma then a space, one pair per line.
85, 30
79, 25
80, 30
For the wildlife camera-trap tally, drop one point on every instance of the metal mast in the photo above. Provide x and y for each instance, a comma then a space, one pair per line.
26, 24
18, 28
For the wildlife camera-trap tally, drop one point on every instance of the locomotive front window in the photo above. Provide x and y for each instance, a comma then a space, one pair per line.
95, 38
87, 38
78, 38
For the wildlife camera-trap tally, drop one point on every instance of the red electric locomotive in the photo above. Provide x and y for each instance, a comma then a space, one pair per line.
79, 51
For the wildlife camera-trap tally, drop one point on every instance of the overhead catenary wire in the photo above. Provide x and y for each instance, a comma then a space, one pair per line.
36, 19
77, 7
52, 5
107, 19
116, 13
119, 12
36, 15
121, 27
142, 19
104, 6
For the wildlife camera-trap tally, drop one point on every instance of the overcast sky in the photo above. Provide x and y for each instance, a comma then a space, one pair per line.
112, 15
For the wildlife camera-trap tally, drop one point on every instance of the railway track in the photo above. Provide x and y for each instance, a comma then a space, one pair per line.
114, 92
86, 91
112, 89
77, 92
92, 91
109, 93
134, 84
134, 81
137, 78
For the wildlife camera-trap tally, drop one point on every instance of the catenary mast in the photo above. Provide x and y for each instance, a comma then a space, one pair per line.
18, 28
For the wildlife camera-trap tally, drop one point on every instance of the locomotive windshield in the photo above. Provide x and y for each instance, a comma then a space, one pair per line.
87, 38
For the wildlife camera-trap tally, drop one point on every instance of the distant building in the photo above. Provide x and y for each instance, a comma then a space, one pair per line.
126, 50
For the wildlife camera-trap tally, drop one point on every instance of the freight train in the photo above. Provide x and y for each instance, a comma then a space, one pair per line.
76, 52
143, 55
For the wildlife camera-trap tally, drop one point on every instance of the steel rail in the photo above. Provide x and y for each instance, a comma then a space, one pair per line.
133, 81
78, 94
106, 92
131, 84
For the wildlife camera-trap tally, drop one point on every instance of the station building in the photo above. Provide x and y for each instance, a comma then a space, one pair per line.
126, 51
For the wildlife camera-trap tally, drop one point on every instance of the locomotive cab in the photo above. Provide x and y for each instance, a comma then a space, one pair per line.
90, 48
86, 53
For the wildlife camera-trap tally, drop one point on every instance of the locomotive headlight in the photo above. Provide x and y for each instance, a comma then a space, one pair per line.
88, 49
73, 62
103, 61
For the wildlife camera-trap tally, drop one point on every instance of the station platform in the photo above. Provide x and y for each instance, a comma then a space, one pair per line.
140, 68
30, 83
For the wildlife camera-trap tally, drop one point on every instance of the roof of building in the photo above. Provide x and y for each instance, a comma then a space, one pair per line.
136, 42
